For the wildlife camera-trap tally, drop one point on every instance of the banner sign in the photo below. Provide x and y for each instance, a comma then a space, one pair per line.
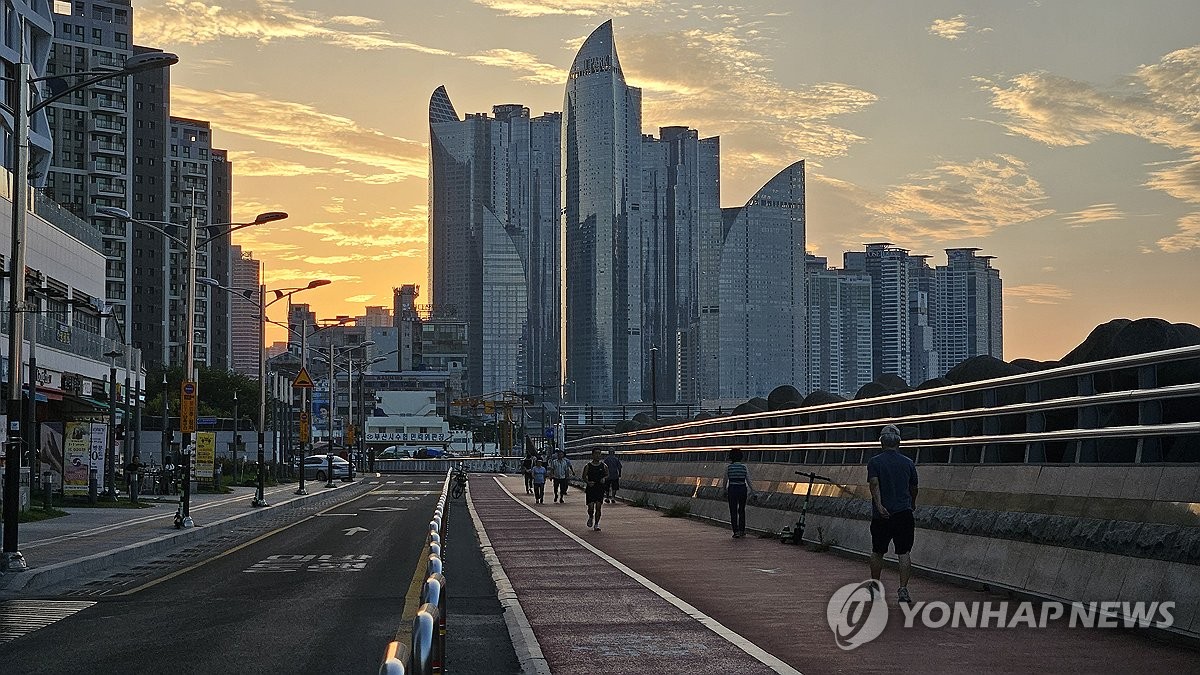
397, 437
206, 454
77, 438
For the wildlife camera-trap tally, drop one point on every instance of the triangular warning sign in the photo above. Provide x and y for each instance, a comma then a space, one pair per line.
303, 381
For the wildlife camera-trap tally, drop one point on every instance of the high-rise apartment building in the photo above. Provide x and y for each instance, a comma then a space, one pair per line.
376, 316
245, 336
839, 329
970, 309
762, 290
93, 158
888, 268
200, 179
922, 313
494, 233
601, 141
681, 233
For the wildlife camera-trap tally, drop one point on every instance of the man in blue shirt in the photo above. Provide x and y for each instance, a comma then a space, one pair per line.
893, 480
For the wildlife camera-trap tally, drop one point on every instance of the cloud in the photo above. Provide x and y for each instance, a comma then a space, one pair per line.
248, 163
950, 29
193, 22
1186, 239
1159, 103
534, 8
360, 298
957, 201
533, 70
302, 127
720, 83
1039, 294
1094, 214
403, 234
275, 276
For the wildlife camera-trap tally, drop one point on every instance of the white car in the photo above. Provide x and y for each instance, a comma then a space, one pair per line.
316, 467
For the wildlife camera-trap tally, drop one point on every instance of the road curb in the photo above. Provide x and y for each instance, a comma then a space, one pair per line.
525, 644
40, 577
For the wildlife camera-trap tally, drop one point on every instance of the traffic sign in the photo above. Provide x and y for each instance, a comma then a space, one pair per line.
303, 380
188, 392
304, 426
350, 435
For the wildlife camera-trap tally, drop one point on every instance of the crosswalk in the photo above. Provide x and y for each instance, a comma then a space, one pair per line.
412, 482
21, 617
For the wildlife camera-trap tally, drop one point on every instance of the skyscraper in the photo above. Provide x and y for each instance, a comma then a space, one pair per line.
762, 290
494, 238
888, 267
839, 329
970, 308
245, 327
601, 143
681, 223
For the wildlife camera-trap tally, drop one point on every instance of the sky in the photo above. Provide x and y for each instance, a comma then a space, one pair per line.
1061, 137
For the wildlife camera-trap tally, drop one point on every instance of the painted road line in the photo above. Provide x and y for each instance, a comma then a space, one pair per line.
237, 548
759, 654
22, 617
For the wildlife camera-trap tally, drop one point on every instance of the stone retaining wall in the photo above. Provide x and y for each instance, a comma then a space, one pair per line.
1077, 533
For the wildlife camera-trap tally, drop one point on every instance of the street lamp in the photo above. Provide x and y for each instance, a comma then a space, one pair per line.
236, 438
260, 498
332, 359
654, 381
21, 112
189, 303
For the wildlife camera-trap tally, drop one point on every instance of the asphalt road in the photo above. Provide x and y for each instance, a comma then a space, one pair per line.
321, 594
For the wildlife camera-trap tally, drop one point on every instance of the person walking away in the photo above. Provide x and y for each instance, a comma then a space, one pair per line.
562, 471
539, 482
527, 469
595, 475
133, 475
614, 476
893, 481
737, 489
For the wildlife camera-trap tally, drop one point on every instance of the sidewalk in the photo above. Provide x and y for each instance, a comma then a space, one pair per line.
89, 540
584, 600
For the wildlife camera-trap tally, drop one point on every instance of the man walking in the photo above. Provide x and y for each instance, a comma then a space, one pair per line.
614, 476
893, 481
562, 471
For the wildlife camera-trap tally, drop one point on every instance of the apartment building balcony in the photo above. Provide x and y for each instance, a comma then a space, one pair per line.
109, 188
107, 148
106, 168
102, 103
105, 124
107, 61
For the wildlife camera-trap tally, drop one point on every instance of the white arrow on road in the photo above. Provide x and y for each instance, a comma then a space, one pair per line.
350, 532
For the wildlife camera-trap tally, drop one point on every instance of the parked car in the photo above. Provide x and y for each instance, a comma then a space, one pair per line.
430, 453
394, 452
316, 467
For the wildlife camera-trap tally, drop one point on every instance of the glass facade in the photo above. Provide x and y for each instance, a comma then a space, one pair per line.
601, 143
762, 290
495, 260
681, 222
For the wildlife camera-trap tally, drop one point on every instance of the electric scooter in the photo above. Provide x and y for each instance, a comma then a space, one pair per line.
795, 534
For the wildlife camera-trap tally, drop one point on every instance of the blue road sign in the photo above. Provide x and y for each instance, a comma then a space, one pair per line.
207, 421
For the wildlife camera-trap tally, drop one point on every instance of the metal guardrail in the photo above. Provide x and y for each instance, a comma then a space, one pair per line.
425, 654
1060, 415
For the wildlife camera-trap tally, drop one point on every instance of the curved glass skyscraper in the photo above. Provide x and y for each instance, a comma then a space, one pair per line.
601, 140
494, 240
762, 290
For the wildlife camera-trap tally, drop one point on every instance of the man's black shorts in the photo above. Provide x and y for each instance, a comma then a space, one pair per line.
898, 529
613, 484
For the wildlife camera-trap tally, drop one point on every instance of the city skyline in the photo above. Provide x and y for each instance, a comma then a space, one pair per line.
1054, 138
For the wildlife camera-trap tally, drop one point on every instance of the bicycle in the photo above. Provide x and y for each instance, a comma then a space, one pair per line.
460, 484
795, 534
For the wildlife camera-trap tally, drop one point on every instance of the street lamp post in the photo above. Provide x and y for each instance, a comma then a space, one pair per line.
110, 474
166, 423
654, 381
235, 436
332, 398
246, 294
22, 111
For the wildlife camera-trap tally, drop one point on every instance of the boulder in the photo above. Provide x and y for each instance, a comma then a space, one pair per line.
981, 367
784, 397
821, 397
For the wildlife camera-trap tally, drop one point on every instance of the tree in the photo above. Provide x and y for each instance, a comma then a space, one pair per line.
216, 392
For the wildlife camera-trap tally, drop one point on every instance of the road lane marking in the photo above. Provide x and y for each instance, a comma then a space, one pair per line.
766, 658
237, 548
351, 531
21, 617
385, 509
326, 515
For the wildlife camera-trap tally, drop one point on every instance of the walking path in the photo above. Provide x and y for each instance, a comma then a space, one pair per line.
656, 594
